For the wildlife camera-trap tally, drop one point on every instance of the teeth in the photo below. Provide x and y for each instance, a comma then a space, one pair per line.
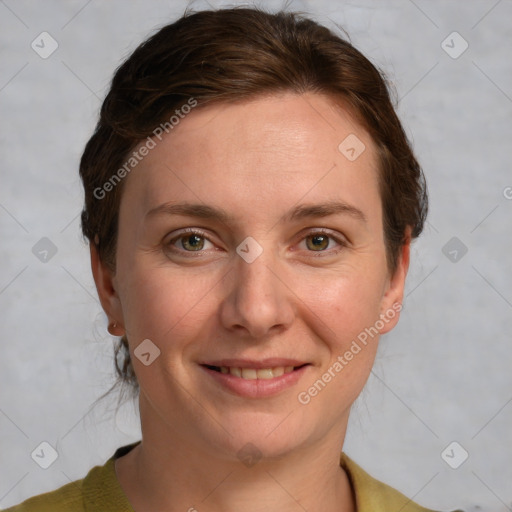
263, 373
277, 372
237, 372
249, 373
260, 373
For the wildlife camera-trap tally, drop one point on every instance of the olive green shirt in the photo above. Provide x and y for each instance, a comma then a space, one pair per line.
100, 491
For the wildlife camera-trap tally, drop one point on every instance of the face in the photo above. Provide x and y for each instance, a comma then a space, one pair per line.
251, 255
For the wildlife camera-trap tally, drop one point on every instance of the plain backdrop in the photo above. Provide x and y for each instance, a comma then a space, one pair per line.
442, 376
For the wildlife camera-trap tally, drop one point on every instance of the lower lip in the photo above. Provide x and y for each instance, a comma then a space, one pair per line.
256, 388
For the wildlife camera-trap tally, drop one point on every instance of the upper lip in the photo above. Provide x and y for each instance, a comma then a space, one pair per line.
272, 362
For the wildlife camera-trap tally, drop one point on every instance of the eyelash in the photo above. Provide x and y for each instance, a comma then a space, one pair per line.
194, 231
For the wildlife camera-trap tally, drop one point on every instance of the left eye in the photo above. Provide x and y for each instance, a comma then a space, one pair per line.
319, 242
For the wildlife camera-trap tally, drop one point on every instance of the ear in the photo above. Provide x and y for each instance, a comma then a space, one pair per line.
104, 279
391, 303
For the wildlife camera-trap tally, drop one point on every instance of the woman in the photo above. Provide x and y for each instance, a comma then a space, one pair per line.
250, 200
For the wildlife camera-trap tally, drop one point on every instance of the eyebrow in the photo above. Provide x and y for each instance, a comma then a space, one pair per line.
299, 212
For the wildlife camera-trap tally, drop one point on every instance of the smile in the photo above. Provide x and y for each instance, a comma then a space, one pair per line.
253, 373
255, 379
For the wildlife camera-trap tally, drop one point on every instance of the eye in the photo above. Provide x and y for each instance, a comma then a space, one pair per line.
321, 241
194, 241
190, 241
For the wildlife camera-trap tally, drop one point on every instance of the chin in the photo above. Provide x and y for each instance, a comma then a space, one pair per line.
258, 435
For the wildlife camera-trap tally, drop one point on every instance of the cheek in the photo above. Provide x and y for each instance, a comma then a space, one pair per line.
159, 304
344, 317
345, 314
346, 303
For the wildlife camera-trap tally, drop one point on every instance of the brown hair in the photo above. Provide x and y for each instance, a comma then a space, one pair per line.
230, 55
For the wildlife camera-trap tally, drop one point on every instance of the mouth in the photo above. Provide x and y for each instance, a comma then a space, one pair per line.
252, 373
255, 379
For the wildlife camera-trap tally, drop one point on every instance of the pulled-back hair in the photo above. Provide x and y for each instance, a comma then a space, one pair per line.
232, 55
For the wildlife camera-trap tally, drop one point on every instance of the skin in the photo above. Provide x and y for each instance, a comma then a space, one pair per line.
257, 160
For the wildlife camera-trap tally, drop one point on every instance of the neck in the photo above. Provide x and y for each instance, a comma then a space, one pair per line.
171, 473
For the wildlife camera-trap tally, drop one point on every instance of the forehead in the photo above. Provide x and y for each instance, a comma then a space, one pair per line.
271, 148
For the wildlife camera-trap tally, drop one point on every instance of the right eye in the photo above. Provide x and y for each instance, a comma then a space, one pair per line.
190, 241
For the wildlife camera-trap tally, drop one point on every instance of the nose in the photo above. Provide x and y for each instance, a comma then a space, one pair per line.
259, 301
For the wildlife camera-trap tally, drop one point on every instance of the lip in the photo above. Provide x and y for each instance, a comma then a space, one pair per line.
257, 388
271, 362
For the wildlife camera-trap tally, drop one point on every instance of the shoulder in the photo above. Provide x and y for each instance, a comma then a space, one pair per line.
375, 496
99, 491
67, 498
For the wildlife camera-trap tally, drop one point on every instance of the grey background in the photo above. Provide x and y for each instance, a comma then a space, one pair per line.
442, 375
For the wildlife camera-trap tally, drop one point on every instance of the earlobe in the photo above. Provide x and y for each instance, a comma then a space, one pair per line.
109, 299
